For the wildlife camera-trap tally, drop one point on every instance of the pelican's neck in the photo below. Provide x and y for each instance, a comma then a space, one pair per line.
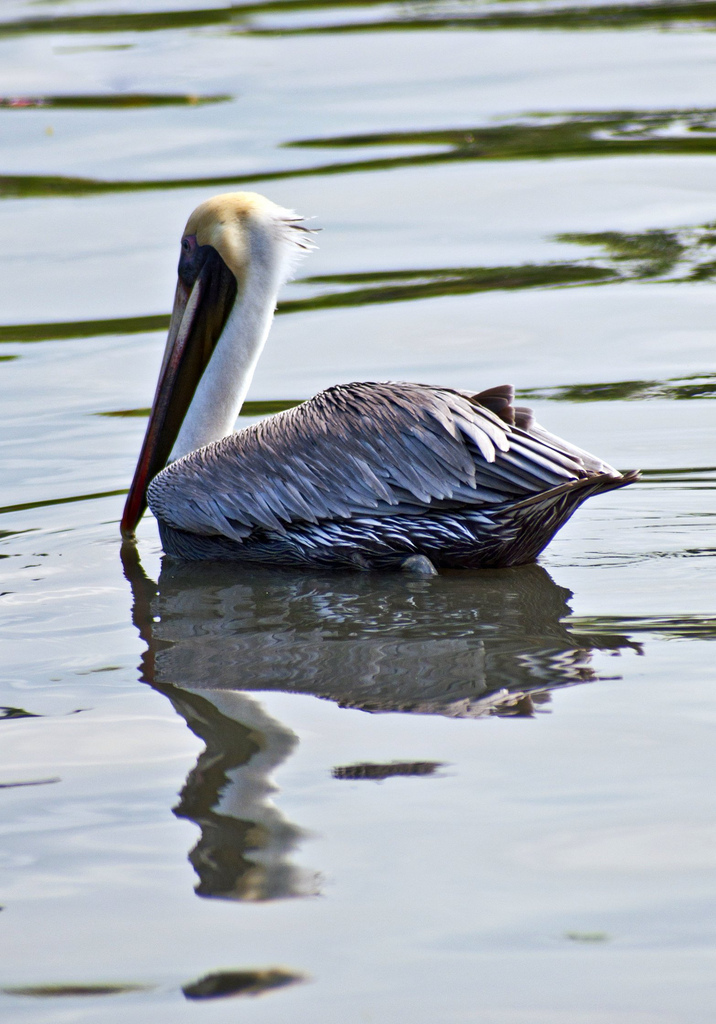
226, 380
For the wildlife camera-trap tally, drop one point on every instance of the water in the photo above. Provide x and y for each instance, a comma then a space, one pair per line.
507, 192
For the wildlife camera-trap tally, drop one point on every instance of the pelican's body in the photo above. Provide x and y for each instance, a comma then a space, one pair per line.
365, 475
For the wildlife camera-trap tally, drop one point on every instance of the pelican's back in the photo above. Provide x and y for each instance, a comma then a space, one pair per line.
366, 475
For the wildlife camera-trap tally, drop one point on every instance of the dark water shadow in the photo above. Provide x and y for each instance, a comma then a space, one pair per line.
217, 985
370, 771
221, 984
72, 991
28, 782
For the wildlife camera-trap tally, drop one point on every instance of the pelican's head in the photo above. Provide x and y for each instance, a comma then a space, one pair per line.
228, 241
244, 228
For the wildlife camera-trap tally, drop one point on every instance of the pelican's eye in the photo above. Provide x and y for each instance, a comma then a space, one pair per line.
192, 258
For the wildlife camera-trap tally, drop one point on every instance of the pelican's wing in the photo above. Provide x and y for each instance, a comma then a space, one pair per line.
366, 449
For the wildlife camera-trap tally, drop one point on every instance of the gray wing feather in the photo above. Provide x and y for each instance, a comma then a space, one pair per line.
591, 462
366, 449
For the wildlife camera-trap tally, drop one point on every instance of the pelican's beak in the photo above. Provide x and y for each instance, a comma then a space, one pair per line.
205, 295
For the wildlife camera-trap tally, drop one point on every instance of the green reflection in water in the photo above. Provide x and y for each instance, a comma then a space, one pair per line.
694, 386
83, 328
126, 413
604, 17
24, 506
683, 627
407, 285
684, 253
681, 253
388, 286
392, 17
11, 713
650, 252
247, 409
535, 136
110, 101
617, 391
687, 478
24, 186
586, 133
147, 21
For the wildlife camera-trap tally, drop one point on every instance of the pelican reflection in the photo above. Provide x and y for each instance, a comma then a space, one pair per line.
466, 644
245, 843
245, 840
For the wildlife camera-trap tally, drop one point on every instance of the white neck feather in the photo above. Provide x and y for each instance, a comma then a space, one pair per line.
226, 380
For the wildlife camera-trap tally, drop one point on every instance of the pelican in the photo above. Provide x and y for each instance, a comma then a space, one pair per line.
370, 476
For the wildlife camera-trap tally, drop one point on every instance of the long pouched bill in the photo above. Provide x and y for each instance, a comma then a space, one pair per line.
198, 318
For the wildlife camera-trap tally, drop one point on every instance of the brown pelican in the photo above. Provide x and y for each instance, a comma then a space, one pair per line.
362, 476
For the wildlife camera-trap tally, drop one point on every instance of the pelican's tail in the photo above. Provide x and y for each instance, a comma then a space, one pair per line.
535, 520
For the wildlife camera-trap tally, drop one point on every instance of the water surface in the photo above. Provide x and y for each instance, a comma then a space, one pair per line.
260, 795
